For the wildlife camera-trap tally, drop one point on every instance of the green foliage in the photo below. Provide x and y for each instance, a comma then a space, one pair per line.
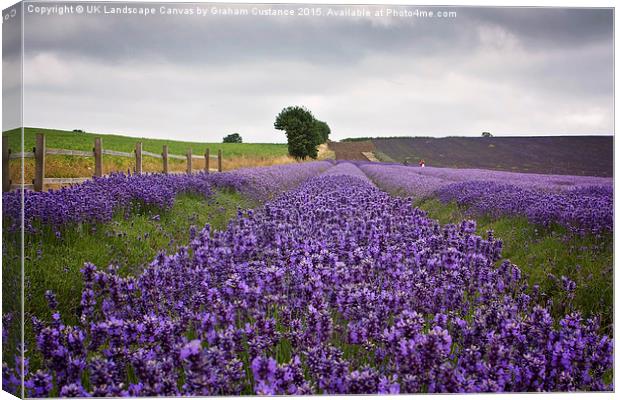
233, 138
323, 130
302, 131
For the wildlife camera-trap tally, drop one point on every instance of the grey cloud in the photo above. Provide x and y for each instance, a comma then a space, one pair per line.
227, 40
335, 40
544, 27
511, 71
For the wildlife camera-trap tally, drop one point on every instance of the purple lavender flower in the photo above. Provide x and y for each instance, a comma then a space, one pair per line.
332, 286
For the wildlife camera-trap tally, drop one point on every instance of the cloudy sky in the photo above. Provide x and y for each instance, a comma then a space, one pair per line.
511, 71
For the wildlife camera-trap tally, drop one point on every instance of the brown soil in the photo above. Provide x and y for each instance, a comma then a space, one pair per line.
352, 150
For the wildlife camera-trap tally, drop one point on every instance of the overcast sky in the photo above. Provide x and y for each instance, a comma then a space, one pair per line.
505, 70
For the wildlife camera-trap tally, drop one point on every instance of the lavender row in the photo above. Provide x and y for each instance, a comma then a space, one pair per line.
404, 181
582, 209
334, 287
541, 182
582, 204
265, 183
98, 200
348, 169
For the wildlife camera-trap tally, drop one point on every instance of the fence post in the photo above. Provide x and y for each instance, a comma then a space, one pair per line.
189, 161
6, 182
39, 163
207, 160
138, 169
219, 160
98, 158
164, 156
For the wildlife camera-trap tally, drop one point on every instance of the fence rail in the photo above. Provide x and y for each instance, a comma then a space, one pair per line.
64, 181
63, 152
40, 151
25, 154
148, 153
116, 153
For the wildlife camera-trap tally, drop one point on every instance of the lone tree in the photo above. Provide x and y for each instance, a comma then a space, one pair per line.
303, 132
486, 134
323, 130
233, 138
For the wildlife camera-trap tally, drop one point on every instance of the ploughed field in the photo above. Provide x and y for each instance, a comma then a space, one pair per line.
330, 278
352, 150
568, 155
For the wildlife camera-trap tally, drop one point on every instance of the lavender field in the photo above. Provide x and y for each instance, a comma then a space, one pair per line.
311, 278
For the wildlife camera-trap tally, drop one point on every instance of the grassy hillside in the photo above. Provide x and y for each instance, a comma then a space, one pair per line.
570, 155
235, 155
84, 141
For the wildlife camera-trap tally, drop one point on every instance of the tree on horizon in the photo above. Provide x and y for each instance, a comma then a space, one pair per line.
303, 131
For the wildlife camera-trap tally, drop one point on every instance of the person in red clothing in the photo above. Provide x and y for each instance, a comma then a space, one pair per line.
422, 163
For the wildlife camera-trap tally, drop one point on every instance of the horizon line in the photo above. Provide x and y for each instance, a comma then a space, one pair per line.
405, 136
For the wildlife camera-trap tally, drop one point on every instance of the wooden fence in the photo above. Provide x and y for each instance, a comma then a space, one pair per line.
40, 151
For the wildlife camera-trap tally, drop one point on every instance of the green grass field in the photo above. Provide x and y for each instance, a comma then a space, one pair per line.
84, 141
234, 155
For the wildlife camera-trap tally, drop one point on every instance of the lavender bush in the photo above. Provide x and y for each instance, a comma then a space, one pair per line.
542, 182
266, 182
333, 287
97, 200
349, 169
403, 180
582, 209
582, 204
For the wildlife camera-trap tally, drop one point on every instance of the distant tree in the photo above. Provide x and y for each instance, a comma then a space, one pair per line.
486, 134
233, 138
302, 131
323, 130
78, 131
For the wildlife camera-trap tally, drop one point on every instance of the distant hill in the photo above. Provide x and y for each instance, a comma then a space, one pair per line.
352, 149
564, 155
84, 141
